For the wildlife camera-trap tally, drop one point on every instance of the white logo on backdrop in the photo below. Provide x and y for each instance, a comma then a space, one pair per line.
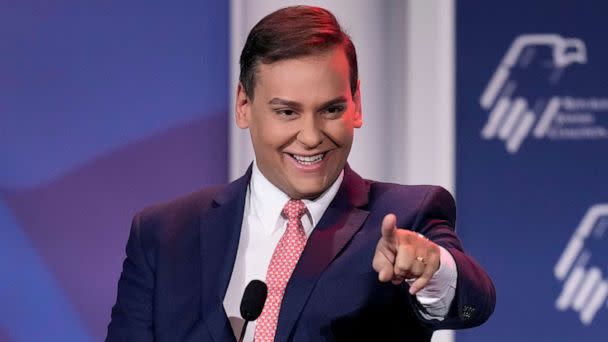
585, 287
511, 119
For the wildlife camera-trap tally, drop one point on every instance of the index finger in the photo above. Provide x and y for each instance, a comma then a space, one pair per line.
388, 226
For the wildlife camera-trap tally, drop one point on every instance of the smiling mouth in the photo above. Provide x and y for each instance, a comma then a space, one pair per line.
308, 160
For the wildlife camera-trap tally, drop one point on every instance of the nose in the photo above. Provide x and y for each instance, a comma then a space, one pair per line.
310, 134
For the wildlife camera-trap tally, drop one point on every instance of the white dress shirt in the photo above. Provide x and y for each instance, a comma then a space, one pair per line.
262, 228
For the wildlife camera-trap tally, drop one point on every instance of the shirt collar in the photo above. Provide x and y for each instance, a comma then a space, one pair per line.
267, 201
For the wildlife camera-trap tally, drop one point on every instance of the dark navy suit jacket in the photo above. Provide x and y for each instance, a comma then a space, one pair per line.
180, 257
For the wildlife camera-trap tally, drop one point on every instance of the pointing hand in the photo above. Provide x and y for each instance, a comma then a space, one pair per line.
402, 254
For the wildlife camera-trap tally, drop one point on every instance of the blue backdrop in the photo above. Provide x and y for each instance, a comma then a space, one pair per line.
105, 107
532, 160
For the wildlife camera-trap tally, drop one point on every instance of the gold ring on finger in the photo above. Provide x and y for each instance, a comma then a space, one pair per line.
421, 259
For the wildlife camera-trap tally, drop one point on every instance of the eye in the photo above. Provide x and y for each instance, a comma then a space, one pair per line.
285, 112
335, 111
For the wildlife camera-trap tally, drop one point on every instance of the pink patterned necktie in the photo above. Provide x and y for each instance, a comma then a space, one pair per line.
282, 263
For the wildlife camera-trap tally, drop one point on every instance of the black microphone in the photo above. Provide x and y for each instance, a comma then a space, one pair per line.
252, 302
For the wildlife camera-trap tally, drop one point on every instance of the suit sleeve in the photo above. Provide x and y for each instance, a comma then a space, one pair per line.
475, 295
132, 315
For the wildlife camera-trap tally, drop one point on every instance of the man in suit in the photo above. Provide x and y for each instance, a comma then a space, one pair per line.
344, 258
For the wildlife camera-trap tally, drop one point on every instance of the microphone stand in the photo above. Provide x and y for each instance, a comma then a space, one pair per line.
243, 331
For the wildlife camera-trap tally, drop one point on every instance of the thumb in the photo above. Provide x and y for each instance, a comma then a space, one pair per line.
388, 227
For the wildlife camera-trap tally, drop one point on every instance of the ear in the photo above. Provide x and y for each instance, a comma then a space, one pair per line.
242, 108
358, 115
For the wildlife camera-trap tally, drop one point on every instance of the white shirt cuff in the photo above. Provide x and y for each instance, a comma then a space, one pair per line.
436, 297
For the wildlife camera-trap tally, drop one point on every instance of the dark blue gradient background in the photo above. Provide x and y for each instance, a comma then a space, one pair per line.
517, 212
105, 107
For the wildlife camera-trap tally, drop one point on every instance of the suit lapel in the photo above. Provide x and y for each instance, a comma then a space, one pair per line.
342, 219
220, 232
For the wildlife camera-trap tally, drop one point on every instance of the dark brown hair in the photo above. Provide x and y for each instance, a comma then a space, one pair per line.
294, 32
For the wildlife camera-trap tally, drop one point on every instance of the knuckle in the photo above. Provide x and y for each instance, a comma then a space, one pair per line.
400, 270
376, 266
434, 250
405, 265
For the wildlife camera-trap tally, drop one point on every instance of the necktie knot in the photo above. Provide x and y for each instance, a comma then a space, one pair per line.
294, 209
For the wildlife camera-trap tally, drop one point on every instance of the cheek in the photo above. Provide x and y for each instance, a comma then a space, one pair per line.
340, 132
272, 135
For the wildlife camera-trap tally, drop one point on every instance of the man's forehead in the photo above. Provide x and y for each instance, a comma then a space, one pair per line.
318, 76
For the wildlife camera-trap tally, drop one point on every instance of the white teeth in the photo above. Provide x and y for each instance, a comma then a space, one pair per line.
308, 160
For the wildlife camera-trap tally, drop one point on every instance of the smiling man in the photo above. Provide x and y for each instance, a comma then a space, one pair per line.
302, 120
344, 258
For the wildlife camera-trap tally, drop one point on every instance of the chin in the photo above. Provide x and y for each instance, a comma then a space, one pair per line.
309, 192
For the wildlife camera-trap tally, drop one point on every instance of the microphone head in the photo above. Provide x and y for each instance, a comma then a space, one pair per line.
253, 300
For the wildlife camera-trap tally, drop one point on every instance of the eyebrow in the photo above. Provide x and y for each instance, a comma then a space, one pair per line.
298, 106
